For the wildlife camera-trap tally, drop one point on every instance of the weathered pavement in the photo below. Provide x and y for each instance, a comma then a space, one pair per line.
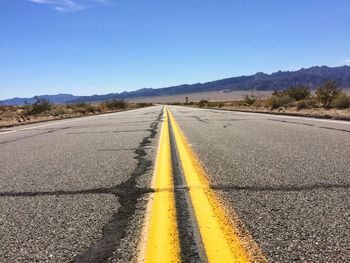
77, 190
287, 178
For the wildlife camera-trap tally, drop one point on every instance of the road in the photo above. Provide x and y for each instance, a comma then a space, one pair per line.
80, 190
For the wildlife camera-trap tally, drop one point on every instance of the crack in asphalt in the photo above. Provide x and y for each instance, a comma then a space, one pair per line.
293, 122
334, 129
29, 136
116, 229
116, 190
200, 119
102, 132
102, 190
116, 149
290, 188
224, 120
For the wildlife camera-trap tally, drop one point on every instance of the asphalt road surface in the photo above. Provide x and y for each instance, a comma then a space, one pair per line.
77, 190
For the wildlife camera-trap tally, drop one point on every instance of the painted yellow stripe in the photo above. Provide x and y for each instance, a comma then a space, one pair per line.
223, 242
162, 244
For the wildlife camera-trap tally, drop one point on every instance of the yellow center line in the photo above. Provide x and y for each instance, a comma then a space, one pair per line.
223, 242
162, 244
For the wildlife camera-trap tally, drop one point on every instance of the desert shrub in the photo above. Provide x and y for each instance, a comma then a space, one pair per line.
116, 104
215, 104
82, 107
221, 104
191, 103
202, 103
101, 107
143, 104
248, 100
279, 93
306, 104
299, 92
275, 102
327, 93
39, 106
342, 101
233, 103
59, 110
7, 108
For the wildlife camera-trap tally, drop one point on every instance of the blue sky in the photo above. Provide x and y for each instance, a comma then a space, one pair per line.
88, 47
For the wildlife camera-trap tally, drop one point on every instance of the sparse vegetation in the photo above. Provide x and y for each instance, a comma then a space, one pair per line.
327, 93
275, 102
342, 101
299, 93
248, 99
307, 104
116, 104
39, 106
42, 109
297, 99
84, 108
143, 104
296, 93
4, 108
202, 103
327, 101
215, 104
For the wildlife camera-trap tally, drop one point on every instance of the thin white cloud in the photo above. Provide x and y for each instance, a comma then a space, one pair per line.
69, 5
347, 61
43, 1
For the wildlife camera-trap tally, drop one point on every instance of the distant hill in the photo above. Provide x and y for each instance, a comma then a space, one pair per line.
59, 98
312, 77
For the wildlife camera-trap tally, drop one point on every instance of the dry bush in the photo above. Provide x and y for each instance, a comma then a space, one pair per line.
327, 93
342, 101
202, 103
275, 102
143, 104
307, 104
215, 104
82, 108
58, 110
4, 108
295, 92
116, 104
39, 106
248, 99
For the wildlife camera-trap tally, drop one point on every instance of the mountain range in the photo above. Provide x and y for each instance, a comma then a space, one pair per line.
313, 77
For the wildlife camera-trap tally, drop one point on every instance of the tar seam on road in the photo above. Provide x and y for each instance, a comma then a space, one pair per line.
116, 229
335, 129
192, 249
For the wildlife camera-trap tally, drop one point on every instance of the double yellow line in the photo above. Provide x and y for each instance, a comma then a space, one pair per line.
223, 237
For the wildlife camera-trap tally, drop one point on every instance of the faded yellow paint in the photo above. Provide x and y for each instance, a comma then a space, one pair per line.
162, 241
222, 241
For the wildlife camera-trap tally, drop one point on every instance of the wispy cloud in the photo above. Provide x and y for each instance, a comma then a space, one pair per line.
347, 61
69, 5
